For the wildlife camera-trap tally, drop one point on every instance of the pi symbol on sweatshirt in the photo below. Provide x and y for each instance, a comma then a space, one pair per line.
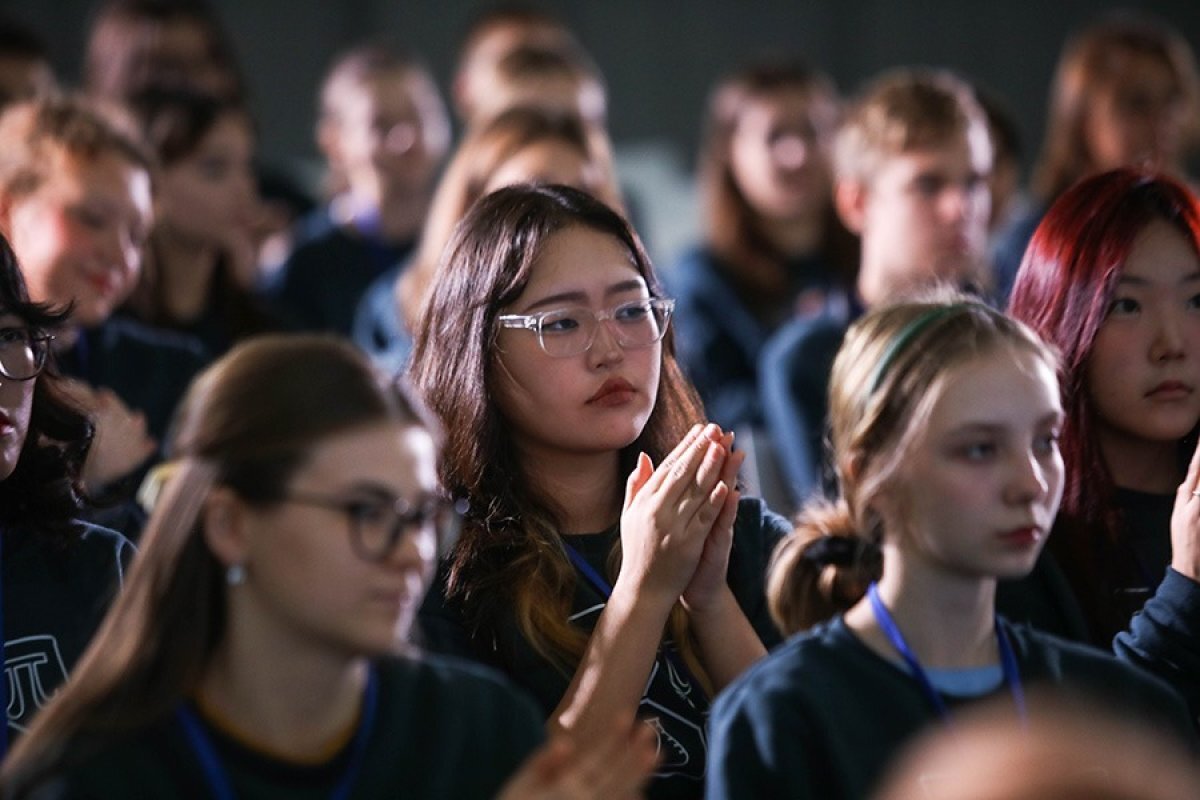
32, 665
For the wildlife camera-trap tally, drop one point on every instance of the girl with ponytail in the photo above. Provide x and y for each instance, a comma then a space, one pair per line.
259, 648
945, 417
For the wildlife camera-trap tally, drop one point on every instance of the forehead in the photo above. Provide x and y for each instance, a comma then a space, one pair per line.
1133, 67
108, 171
394, 91
784, 101
1004, 386
547, 160
581, 259
954, 154
397, 456
232, 125
1161, 252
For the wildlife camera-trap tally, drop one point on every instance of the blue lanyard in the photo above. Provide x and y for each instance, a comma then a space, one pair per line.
603, 587
1008, 661
594, 578
217, 777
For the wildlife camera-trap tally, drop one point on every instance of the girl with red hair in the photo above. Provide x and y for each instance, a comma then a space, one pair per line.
1112, 278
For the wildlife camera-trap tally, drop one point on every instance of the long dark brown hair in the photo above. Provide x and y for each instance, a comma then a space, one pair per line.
509, 564
247, 423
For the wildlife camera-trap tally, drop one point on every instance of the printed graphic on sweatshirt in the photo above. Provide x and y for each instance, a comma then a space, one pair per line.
31, 665
672, 705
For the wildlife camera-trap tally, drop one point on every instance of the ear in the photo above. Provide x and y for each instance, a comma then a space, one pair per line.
6, 206
328, 139
224, 520
850, 201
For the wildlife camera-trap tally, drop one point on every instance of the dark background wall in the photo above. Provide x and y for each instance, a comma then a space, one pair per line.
659, 56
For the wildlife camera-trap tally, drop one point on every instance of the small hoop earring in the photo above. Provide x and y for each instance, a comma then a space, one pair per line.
235, 575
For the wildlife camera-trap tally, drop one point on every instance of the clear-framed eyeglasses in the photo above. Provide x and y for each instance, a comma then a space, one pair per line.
379, 524
564, 332
23, 353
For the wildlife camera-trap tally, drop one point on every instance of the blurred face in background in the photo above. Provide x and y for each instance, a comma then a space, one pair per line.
550, 161
79, 235
922, 215
390, 135
1138, 118
209, 195
179, 53
777, 154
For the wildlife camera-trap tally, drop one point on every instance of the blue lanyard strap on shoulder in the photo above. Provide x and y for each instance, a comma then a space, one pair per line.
217, 777
1008, 660
604, 588
594, 578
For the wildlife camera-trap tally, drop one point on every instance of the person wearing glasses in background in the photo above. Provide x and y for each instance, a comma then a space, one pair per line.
254, 652
607, 563
58, 574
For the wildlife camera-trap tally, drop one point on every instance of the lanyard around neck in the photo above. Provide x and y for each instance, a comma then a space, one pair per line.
605, 589
1008, 660
217, 777
593, 577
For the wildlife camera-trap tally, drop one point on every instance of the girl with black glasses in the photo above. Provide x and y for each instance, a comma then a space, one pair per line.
255, 651
58, 574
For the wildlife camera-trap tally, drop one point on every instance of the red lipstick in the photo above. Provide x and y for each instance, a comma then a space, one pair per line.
614, 392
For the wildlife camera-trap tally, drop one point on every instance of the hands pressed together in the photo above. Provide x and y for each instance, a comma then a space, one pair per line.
677, 523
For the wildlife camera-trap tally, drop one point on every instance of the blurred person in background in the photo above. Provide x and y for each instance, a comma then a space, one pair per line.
1126, 92
522, 145
772, 242
384, 131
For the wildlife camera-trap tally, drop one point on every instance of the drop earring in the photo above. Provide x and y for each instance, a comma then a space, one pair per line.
235, 575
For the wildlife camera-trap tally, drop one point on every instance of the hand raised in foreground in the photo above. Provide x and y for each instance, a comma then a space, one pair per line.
121, 442
616, 764
1185, 523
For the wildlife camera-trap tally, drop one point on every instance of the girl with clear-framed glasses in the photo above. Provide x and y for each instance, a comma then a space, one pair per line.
57, 573
260, 647
608, 563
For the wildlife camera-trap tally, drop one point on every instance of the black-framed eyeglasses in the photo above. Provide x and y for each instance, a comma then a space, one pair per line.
379, 524
564, 332
23, 353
